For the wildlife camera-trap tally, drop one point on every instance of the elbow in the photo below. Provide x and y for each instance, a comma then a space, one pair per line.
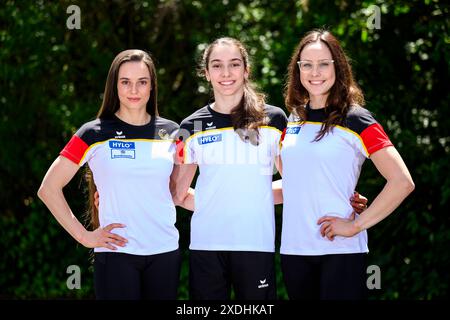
42, 191
45, 191
407, 185
179, 200
177, 197
411, 186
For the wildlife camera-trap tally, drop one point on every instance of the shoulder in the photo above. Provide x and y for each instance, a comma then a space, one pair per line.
277, 117
358, 119
92, 131
200, 114
293, 118
166, 124
90, 126
87, 135
273, 111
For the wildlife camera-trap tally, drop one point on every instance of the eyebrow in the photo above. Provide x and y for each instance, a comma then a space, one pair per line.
234, 59
142, 78
314, 60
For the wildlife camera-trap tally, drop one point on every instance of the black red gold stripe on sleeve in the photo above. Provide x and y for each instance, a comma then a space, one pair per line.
74, 149
179, 157
375, 138
283, 134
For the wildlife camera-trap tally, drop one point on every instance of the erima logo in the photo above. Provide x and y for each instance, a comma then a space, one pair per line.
210, 125
210, 139
119, 134
122, 149
263, 284
293, 130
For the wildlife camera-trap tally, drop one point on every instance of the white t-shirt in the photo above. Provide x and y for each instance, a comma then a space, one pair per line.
131, 166
234, 208
319, 178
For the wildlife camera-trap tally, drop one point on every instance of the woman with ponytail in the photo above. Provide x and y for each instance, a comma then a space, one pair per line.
234, 142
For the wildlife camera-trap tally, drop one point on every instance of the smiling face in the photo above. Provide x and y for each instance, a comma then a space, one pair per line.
226, 71
133, 85
319, 80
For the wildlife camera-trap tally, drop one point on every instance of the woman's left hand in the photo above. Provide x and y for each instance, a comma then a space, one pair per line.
334, 226
358, 202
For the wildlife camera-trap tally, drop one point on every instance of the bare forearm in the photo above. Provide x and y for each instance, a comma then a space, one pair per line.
392, 195
58, 206
277, 189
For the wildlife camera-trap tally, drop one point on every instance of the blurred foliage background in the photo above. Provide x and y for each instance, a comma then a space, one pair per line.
52, 79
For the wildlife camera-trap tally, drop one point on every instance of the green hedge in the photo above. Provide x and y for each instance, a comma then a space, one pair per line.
52, 78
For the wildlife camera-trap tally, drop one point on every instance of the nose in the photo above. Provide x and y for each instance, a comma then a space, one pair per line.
225, 71
134, 88
315, 71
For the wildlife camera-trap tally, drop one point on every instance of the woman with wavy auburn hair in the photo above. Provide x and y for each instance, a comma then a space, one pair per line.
328, 137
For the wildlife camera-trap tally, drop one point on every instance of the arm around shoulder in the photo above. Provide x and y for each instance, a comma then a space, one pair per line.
180, 182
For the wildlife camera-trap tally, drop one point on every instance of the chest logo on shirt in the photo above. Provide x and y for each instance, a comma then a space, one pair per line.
162, 133
122, 149
210, 139
210, 125
293, 130
119, 135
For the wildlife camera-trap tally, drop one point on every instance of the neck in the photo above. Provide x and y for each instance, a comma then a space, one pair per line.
134, 117
224, 104
318, 102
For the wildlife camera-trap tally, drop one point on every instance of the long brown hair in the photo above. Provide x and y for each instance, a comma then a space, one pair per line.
92, 219
111, 104
343, 94
249, 114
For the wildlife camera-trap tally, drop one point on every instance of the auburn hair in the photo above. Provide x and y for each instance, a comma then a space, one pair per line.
342, 95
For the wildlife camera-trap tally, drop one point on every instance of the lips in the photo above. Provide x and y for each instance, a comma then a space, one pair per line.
316, 82
134, 99
227, 83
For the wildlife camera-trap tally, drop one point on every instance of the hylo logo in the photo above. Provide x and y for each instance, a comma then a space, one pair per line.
122, 149
210, 139
293, 130
121, 145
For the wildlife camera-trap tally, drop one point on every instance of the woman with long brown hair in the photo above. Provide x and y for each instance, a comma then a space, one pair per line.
130, 151
234, 142
328, 137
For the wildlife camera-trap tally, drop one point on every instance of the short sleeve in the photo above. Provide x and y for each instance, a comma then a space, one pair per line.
373, 136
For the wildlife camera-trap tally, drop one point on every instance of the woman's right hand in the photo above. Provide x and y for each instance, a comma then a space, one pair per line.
103, 237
